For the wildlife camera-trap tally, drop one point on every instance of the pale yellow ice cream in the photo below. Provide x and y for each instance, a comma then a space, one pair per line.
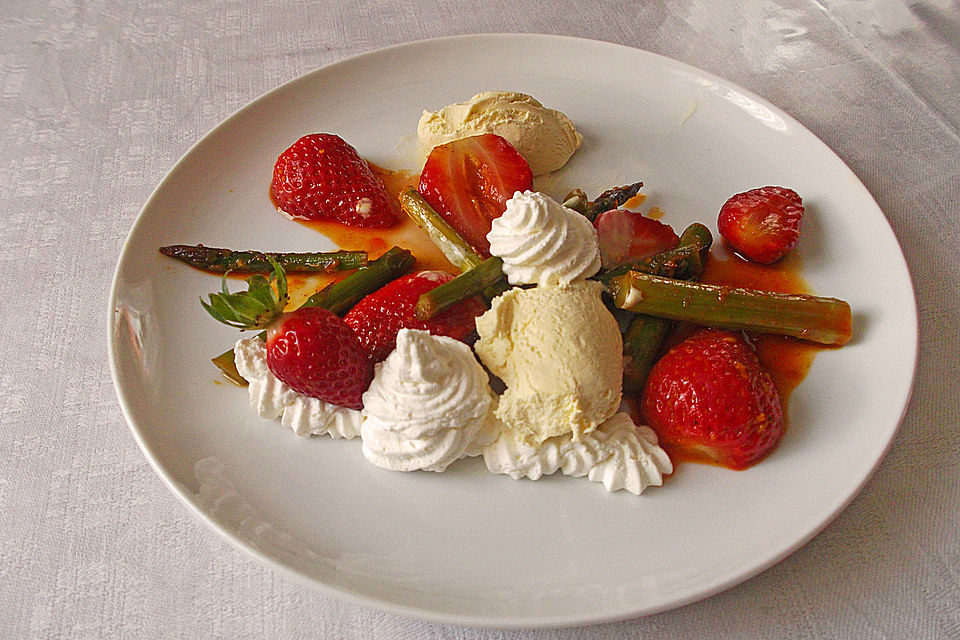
544, 137
559, 353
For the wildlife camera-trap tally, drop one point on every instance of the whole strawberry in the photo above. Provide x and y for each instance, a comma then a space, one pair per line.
378, 318
321, 177
315, 353
710, 397
762, 224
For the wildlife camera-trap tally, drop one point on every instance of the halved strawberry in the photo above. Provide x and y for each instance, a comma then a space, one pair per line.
469, 181
762, 224
626, 235
378, 318
314, 352
709, 397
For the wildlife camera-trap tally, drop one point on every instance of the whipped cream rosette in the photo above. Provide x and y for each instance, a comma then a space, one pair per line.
542, 242
618, 454
429, 405
272, 399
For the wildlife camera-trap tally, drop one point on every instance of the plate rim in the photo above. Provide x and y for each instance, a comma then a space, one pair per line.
730, 579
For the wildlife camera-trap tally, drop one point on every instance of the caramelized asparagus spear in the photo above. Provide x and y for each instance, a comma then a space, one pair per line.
223, 260
823, 320
642, 339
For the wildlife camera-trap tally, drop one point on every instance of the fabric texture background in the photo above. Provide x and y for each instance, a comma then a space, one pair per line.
99, 98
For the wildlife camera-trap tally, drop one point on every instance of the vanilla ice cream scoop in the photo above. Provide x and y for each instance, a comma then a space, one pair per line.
559, 353
429, 405
544, 137
543, 242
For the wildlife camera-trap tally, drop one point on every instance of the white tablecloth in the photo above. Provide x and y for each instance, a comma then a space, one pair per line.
99, 98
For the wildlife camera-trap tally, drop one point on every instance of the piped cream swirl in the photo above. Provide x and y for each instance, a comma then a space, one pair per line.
429, 405
617, 453
273, 399
542, 242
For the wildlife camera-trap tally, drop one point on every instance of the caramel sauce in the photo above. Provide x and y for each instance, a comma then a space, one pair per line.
787, 360
635, 201
655, 213
375, 242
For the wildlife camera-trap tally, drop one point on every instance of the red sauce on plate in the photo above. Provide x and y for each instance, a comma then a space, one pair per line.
786, 359
375, 242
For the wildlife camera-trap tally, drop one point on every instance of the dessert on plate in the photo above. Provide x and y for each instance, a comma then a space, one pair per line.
569, 335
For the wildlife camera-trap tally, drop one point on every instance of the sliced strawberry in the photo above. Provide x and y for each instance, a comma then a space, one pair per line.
469, 181
762, 224
626, 235
709, 397
315, 353
321, 177
378, 318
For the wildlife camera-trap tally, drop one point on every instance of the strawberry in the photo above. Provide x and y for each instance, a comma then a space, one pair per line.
469, 181
626, 235
378, 318
710, 397
321, 177
315, 353
762, 224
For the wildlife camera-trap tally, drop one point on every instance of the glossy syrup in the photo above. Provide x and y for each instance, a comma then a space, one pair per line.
786, 359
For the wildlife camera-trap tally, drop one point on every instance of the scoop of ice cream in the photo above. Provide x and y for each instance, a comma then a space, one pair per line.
543, 242
559, 353
429, 405
618, 453
544, 137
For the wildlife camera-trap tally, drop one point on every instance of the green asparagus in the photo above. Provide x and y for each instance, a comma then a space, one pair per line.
473, 282
683, 262
217, 260
822, 320
611, 199
645, 333
457, 251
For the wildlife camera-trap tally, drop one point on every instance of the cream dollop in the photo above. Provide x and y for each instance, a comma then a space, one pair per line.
544, 137
617, 453
429, 405
273, 399
543, 242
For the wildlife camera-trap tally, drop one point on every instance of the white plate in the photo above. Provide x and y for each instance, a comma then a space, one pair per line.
466, 546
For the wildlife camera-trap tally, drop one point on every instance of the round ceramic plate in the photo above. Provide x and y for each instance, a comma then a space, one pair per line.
467, 546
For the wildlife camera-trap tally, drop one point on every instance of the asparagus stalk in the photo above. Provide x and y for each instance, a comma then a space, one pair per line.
476, 281
462, 255
641, 344
684, 262
645, 334
611, 199
457, 251
343, 295
822, 320
223, 260
340, 296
